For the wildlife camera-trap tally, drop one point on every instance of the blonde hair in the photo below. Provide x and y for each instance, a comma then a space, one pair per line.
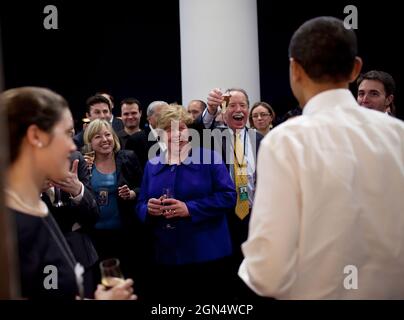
95, 127
173, 112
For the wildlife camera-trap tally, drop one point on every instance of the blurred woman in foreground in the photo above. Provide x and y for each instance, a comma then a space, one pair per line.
38, 124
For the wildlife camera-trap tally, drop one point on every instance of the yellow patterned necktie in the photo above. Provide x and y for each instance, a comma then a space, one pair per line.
240, 178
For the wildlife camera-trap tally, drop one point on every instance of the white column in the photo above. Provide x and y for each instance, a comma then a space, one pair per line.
219, 47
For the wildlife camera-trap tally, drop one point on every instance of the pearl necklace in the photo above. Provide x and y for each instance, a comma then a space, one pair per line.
14, 201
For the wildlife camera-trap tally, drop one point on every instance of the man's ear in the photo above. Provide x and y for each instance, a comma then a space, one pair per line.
295, 70
389, 100
37, 137
356, 69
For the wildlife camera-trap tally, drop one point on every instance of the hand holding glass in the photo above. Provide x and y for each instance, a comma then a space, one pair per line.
167, 194
89, 156
58, 198
111, 274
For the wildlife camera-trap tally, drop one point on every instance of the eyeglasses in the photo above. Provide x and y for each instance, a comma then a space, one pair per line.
262, 115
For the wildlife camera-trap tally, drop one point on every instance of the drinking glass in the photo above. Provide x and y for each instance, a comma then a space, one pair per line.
58, 199
167, 194
88, 152
226, 98
111, 274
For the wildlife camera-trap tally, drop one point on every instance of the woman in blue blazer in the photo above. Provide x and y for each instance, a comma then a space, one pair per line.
190, 234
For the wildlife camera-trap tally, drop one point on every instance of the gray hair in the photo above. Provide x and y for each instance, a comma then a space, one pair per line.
154, 105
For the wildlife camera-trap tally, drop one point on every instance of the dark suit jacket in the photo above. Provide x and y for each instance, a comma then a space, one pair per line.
238, 228
254, 136
117, 124
129, 172
141, 143
79, 140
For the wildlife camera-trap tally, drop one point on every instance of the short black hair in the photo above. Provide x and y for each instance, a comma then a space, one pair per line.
97, 99
383, 77
325, 49
130, 101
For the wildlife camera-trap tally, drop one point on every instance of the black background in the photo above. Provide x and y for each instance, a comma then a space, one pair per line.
132, 48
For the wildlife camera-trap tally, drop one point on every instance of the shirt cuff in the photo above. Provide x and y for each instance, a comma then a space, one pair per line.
77, 199
208, 118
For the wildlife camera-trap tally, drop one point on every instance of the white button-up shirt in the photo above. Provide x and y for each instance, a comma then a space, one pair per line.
328, 217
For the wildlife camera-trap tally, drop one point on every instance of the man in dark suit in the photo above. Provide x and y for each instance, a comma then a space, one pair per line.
116, 123
239, 146
74, 208
147, 141
236, 116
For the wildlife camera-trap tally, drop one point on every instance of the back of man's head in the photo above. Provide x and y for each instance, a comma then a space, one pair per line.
325, 49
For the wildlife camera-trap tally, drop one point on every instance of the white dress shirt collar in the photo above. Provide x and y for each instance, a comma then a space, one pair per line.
321, 101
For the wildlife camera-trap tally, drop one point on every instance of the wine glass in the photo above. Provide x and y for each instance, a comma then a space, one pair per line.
90, 154
58, 199
111, 274
167, 194
226, 99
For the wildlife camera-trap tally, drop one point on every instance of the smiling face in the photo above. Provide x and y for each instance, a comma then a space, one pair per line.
236, 115
372, 95
103, 141
177, 135
130, 115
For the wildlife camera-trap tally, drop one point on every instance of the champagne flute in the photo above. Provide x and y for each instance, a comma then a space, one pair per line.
226, 99
167, 194
90, 154
111, 274
58, 199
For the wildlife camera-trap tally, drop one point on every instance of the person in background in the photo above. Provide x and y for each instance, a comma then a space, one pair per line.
115, 122
147, 141
195, 108
74, 208
191, 243
115, 180
376, 91
98, 107
261, 117
131, 114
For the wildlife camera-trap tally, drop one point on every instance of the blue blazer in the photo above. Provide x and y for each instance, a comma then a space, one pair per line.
209, 194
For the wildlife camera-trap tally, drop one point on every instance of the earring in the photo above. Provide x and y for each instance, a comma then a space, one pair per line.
39, 144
